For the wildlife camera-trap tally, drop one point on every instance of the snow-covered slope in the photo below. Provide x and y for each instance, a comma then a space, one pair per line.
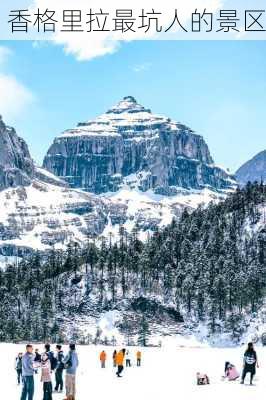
38, 210
42, 215
147, 211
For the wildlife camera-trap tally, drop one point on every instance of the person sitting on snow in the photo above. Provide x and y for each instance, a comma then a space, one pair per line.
202, 379
230, 371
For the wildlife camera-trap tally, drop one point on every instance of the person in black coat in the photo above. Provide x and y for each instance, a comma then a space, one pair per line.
37, 360
250, 363
37, 357
18, 367
59, 369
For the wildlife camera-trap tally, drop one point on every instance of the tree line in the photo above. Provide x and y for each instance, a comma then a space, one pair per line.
209, 265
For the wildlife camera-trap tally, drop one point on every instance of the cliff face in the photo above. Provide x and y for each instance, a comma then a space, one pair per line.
16, 165
128, 139
253, 170
38, 210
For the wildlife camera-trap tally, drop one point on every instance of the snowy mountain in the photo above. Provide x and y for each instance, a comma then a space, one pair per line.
205, 269
38, 210
144, 170
16, 165
253, 170
129, 141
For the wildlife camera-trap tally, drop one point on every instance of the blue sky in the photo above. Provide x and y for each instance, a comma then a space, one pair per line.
217, 88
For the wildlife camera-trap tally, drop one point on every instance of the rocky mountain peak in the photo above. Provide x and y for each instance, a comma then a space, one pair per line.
130, 140
16, 165
128, 105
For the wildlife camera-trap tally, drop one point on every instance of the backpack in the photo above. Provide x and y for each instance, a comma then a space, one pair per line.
60, 358
68, 364
250, 357
18, 363
53, 360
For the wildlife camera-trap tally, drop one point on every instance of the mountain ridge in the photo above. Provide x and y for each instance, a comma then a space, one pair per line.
41, 209
253, 169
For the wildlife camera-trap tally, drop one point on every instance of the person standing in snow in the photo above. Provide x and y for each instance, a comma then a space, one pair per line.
27, 374
71, 363
114, 358
18, 367
120, 362
250, 363
37, 357
51, 356
138, 354
128, 359
46, 377
59, 369
37, 360
103, 359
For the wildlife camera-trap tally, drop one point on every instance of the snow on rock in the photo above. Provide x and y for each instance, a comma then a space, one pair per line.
16, 165
42, 215
146, 168
46, 176
147, 211
100, 155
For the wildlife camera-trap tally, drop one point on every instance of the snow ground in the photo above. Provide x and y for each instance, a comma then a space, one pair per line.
167, 372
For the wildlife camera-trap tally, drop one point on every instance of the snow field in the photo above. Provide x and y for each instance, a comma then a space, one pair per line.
166, 373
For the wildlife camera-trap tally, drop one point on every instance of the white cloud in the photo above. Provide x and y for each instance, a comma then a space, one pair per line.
97, 44
14, 97
146, 66
86, 50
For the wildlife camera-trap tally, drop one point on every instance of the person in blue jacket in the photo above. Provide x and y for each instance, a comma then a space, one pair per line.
27, 374
71, 363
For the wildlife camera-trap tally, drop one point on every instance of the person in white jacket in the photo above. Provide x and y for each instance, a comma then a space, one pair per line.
128, 359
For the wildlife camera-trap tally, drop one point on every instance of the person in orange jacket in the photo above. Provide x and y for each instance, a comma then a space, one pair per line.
120, 362
103, 359
138, 354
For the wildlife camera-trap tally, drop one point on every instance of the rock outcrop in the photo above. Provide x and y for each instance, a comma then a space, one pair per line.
16, 165
126, 140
